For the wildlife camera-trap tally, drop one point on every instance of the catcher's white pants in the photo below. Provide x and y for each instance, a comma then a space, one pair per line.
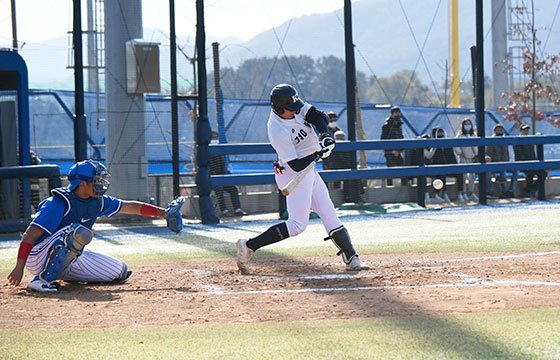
310, 193
89, 266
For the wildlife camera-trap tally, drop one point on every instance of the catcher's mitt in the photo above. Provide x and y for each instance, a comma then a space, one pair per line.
174, 218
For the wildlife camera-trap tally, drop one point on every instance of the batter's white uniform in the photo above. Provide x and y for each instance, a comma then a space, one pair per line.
295, 139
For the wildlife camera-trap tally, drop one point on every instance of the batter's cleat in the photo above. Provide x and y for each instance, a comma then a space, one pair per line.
244, 255
42, 286
356, 264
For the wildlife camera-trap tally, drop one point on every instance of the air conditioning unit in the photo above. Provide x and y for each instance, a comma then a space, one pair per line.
142, 67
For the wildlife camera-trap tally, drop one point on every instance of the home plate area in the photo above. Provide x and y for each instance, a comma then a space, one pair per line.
280, 288
310, 275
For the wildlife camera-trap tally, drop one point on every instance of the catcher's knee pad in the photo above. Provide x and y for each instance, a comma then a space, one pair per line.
341, 239
77, 238
65, 250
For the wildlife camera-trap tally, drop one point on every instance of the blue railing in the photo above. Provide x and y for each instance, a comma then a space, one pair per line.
405, 171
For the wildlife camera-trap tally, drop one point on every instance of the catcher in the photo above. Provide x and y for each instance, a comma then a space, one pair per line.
52, 246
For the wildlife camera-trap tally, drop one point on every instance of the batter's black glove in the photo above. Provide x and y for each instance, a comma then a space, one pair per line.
327, 145
173, 217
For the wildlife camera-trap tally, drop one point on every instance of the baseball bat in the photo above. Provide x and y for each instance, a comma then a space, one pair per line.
291, 185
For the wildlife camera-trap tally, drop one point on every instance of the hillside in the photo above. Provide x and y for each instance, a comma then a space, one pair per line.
387, 37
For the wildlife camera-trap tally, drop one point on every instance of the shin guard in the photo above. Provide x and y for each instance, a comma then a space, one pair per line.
64, 251
341, 239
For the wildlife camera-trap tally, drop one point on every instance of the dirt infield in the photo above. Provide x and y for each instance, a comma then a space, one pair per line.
302, 288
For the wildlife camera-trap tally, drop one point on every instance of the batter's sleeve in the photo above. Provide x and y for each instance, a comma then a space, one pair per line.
318, 118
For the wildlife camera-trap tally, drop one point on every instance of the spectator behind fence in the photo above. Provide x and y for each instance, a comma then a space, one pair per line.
340, 160
392, 129
526, 153
499, 153
440, 156
333, 122
467, 155
412, 158
218, 167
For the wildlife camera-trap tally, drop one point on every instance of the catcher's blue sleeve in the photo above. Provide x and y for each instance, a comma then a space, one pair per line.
50, 214
111, 206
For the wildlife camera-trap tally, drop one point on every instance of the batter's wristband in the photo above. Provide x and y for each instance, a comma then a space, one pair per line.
24, 250
148, 210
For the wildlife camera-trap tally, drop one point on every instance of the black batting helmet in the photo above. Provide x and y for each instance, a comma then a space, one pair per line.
284, 96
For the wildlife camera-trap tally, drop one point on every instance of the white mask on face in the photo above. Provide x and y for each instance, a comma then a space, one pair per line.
333, 124
467, 127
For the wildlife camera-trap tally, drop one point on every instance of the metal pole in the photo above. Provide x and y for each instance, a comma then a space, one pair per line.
421, 181
533, 59
14, 27
541, 174
203, 132
92, 62
479, 97
174, 108
219, 94
455, 98
80, 134
499, 51
350, 89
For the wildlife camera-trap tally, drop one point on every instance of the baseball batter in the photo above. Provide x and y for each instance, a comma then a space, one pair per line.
52, 247
292, 130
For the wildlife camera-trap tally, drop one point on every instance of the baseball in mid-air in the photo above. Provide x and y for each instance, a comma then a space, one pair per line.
437, 184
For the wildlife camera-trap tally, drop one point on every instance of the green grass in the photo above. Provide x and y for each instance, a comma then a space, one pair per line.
527, 334
437, 244
510, 335
430, 232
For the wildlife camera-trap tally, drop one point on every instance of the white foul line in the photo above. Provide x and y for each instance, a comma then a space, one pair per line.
467, 280
505, 283
496, 257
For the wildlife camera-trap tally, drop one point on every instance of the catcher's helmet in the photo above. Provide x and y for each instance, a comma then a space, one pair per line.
90, 171
284, 96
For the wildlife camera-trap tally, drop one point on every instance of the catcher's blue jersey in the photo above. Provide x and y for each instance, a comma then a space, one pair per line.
64, 208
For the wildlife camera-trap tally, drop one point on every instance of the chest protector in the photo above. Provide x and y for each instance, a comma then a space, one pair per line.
81, 211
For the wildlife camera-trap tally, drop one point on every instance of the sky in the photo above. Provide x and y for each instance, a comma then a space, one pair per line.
40, 20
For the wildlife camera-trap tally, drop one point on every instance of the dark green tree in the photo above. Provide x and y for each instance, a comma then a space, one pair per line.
321, 80
330, 80
254, 78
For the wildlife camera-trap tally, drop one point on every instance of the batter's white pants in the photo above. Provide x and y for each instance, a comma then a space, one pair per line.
89, 266
310, 193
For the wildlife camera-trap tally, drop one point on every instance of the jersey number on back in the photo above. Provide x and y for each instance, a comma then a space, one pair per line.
300, 136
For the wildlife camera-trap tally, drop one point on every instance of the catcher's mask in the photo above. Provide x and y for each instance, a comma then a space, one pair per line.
90, 171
